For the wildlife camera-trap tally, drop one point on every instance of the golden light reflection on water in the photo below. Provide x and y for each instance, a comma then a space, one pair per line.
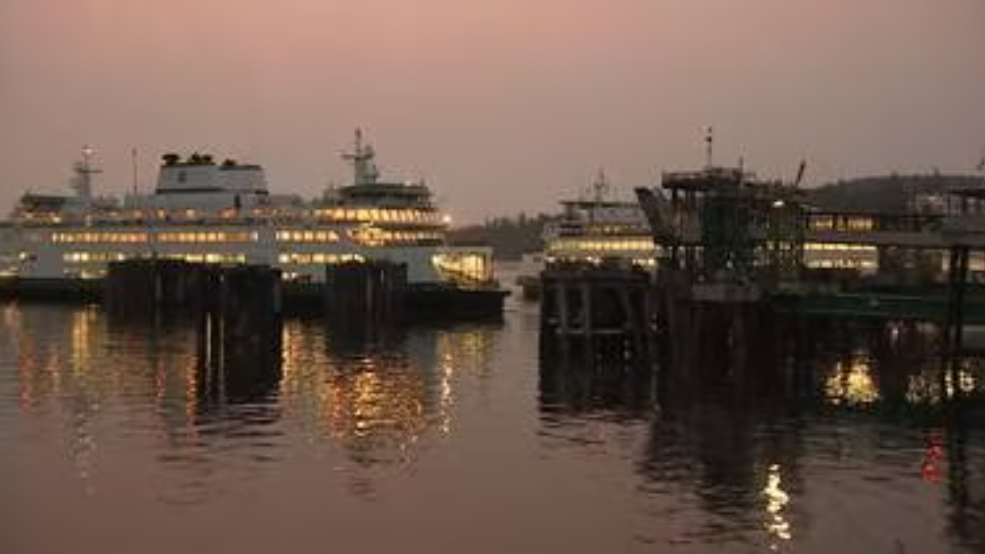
777, 526
382, 402
851, 383
83, 339
382, 406
378, 414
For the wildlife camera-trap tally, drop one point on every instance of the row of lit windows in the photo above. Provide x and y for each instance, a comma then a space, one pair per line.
606, 245
90, 237
646, 262
176, 214
106, 257
299, 258
373, 236
307, 236
133, 238
209, 236
405, 237
841, 223
83, 257
468, 268
385, 215
209, 258
614, 228
842, 263
835, 247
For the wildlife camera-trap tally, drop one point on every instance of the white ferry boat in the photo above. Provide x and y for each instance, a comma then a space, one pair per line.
204, 211
594, 230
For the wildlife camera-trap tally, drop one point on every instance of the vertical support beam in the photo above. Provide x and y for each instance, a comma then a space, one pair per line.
563, 313
587, 308
957, 282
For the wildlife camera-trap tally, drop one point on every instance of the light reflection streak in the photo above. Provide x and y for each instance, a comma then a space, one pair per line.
777, 526
383, 401
377, 413
83, 335
381, 405
851, 383
930, 387
931, 468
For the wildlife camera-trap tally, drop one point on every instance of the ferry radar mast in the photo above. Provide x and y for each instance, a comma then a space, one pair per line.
600, 187
363, 168
82, 180
709, 147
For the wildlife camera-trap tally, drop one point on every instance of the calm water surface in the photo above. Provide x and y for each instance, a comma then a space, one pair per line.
457, 440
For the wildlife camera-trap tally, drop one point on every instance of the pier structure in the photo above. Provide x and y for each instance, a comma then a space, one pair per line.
596, 313
237, 311
724, 225
730, 241
364, 299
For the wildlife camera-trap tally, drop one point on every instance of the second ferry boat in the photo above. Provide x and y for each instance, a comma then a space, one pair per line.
209, 212
591, 231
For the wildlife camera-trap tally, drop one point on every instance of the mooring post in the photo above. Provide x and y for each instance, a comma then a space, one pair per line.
364, 300
957, 282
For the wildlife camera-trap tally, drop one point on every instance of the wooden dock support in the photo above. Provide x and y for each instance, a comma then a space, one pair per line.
716, 338
602, 314
240, 333
237, 311
364, 299
154, 286
957, 280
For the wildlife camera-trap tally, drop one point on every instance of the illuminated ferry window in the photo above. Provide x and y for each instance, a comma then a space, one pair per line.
822, 223
860, 224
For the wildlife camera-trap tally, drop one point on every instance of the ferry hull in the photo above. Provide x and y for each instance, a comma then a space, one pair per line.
421, 302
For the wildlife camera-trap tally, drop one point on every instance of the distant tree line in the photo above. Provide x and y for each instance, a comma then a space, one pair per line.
510, 236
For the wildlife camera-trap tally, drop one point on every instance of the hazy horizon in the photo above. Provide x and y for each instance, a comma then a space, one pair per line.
502, 106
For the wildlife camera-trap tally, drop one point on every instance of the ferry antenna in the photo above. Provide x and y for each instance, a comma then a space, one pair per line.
82, 181
136, 175
709, 146
600, 186
364, 170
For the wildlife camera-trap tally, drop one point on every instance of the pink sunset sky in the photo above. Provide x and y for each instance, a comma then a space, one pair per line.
501, 105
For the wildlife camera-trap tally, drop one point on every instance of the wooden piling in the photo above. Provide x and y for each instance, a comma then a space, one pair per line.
599, 314
957, 279
240, 335
363, 299
236, 309
146, 287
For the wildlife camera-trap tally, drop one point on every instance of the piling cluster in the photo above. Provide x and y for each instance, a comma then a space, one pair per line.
236, 311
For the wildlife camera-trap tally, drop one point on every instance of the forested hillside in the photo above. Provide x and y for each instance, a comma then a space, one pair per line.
891, 193
510, 237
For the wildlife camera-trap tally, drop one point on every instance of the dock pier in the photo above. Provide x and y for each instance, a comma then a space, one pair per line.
364, 300
237, 311
596, 313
